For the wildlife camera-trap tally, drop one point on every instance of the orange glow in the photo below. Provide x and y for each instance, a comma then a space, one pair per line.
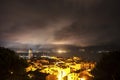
83, 78
61, 42
63, 70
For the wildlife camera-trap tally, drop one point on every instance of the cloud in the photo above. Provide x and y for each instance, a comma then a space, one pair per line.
77, 22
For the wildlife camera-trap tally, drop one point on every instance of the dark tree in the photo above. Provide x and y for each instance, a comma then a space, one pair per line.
11, 66
37, 75
108, 68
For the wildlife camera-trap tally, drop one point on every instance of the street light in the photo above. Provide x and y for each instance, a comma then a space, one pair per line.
83, 78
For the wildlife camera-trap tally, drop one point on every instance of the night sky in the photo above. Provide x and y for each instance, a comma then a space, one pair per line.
74, 22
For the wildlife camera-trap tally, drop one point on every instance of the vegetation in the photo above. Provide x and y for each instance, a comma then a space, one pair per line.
108, 68
36, 75
11, 66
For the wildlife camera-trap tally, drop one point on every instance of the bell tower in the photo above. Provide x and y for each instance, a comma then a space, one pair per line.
30, 53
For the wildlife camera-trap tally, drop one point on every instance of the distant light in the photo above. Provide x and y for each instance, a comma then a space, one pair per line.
11, 72
61, 51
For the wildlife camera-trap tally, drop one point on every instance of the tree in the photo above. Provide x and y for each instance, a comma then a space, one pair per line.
37, 75
108, 68
11, 66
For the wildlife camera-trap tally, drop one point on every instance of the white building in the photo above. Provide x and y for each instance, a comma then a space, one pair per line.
30, 53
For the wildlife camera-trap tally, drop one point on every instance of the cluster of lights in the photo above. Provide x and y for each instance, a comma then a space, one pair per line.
61, 51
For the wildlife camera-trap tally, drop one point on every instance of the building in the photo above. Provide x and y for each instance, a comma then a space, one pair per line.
30, 53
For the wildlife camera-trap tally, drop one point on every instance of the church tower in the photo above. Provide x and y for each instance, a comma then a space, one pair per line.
30, 53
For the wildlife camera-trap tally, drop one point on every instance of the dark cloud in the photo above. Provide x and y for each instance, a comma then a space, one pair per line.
78, 22
84, 35
98, 26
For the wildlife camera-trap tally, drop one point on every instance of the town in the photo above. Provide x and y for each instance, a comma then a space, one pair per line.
59, 68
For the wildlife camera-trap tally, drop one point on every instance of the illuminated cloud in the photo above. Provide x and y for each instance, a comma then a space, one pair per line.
76, 22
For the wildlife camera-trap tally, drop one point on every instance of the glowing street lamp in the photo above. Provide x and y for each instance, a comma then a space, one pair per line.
83, 78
